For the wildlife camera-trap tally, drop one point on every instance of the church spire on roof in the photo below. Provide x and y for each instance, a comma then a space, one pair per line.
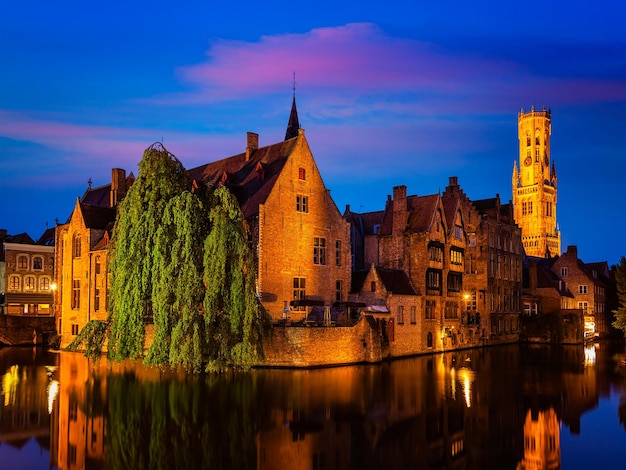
293, 125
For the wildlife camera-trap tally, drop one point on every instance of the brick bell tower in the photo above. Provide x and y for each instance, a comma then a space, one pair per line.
534, 185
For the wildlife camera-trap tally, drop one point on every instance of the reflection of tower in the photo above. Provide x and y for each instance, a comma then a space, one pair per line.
542, 446
534, 186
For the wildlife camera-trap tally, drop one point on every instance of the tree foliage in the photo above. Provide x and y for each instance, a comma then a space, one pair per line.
620, 313
181, 260
161, 177
234, 316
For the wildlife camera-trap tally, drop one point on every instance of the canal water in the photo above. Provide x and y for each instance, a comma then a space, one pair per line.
510, 407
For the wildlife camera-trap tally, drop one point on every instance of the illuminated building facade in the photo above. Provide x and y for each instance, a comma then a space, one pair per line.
27, 274
534, 186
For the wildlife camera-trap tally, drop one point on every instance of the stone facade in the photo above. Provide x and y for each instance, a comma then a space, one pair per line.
534, 186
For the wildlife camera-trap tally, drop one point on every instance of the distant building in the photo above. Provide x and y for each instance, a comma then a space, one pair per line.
27, 274
534, 186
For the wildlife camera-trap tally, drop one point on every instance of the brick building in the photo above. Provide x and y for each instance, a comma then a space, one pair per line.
81, 256
300, 239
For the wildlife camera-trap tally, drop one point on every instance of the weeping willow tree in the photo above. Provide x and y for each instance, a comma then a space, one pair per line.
233, 315
620, 278
177, 283
161, 177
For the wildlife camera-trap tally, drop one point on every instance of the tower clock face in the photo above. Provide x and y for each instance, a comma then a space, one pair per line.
528, 161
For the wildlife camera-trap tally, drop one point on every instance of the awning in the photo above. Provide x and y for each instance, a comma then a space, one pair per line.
22, 298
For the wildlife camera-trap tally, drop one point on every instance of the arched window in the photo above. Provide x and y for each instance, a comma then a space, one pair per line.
429, 340
22, 262
38, 263
29, 283
14, 283
76, 245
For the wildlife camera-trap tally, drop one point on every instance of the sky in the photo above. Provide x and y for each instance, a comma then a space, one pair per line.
389, 93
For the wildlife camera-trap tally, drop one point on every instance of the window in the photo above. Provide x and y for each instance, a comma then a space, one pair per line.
319, 251
563, 272
338, 290
455, 282
76, 293
433, 281
413, 314
74, 329
299, 289
22, 262
435, 253
430, 309
29, 283
98, 265
400, 315
373, 286
458, 232
527, 141
44, 283
38, 263
582, 289
96, 300
583, 306
302, 203
537, 142
451, 310
429, 340
456, 256
76, 245
337, 252
14, 283
301, 174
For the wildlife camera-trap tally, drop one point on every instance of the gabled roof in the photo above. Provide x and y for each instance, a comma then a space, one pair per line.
365, 222
450, 208
47, 238
100, 196
395, 281
21, 238
422, 210
484, 205
98, 218
242, 177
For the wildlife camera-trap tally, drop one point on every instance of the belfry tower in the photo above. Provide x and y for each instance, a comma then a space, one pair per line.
534, 186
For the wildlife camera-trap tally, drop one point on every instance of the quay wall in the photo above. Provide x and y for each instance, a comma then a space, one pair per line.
23, 331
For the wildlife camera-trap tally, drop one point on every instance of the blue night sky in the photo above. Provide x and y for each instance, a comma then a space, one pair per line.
392, 93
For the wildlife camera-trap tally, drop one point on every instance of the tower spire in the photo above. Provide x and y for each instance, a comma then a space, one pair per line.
293, 125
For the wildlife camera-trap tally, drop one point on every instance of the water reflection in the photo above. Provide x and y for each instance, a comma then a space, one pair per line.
501, 408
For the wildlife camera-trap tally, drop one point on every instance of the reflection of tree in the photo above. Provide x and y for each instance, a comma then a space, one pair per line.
190, 422
621, 411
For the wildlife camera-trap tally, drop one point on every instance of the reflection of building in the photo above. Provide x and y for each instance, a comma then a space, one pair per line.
28, 269
542, 446
534, 186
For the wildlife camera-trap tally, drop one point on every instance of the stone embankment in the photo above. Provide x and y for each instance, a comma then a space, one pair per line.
25, 331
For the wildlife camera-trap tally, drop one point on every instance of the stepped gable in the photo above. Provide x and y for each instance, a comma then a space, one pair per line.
250, 180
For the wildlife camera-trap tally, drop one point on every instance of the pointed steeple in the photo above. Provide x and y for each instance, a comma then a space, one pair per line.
293, 125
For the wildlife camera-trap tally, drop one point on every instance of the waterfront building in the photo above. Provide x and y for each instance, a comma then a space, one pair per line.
26, 274
534, 185
300, 239
81, 256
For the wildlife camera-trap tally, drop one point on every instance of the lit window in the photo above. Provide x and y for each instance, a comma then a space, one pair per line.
302, 203
14, 283
29, 283
44, 283
319, 250
22, 262
456, 256
76, 293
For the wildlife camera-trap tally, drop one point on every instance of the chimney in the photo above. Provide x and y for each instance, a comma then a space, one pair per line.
573, 250
454, 181
252, 144
118, 186
400, 212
